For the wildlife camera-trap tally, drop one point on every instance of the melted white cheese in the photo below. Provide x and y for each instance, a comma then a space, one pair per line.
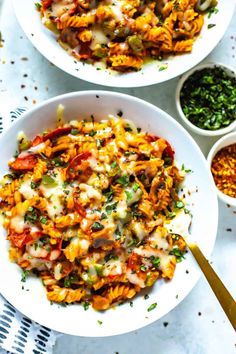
158, 241
180, 224
98, 37
26, 190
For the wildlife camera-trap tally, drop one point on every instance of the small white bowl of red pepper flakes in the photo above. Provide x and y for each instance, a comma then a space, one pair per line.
222, 162
206, 99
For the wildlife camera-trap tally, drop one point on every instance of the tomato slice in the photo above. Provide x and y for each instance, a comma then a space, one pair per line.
37, 140
20, 240
56, 133
25, 163
75, 164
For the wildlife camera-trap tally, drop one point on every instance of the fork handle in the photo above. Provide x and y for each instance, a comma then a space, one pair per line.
224, 297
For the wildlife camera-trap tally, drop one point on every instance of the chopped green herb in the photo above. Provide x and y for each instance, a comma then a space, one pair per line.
211, 25
178, 254
99, 322
74, 131
152, 307
131, 304
33, 185
111, 207
92, 133
129, 195
143, 268
171, 215
146, 296
123, 180
212, 10
109, 193
86, 305
97, 226
43, 219
31, 215
103, 216
135, 187
38, 6
156, 261
99, 142
24, 275
114, 164
163, 67
57, 161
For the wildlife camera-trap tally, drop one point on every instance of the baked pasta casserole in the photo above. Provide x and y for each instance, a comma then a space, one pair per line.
85, 208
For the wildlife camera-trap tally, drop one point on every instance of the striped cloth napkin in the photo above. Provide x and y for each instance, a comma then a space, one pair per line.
18, 334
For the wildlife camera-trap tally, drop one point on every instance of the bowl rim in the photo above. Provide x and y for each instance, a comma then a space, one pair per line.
180, 84
219, 144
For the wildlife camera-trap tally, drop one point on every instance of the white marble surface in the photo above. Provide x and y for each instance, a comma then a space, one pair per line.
198, 325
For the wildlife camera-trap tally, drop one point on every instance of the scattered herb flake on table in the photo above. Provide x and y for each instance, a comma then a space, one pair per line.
208, 98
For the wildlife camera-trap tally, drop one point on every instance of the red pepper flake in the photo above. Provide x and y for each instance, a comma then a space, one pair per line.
223, 170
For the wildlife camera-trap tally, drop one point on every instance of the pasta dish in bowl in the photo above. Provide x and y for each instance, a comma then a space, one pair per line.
124, 43
92, 207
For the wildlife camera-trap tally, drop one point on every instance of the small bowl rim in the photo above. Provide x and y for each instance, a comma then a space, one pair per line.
225, 140
180, 84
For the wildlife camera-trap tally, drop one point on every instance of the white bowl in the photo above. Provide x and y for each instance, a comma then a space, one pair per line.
221, 143
73, 319
45, 41
190, 125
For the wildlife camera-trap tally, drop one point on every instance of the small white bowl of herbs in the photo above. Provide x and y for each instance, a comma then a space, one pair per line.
206, 99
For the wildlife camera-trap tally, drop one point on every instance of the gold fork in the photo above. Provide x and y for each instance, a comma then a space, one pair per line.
224, 297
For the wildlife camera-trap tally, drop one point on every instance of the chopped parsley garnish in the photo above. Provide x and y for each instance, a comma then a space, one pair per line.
212, 10
156, 261
74, 131
97, 226
38, 6
57, 161
152, 307
109, 193
31, 215
143, 268
211, 25
114, 164
208, 98
100, 322
123, 180
146, 296
131, 304
24, 275
103, 216
92, 133
135, 187
33, 185
43, 219
171, 215
86, 305
177, 253
99, 143
111, 207
129, 195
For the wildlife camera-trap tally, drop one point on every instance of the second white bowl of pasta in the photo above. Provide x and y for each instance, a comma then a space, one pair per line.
93, 205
